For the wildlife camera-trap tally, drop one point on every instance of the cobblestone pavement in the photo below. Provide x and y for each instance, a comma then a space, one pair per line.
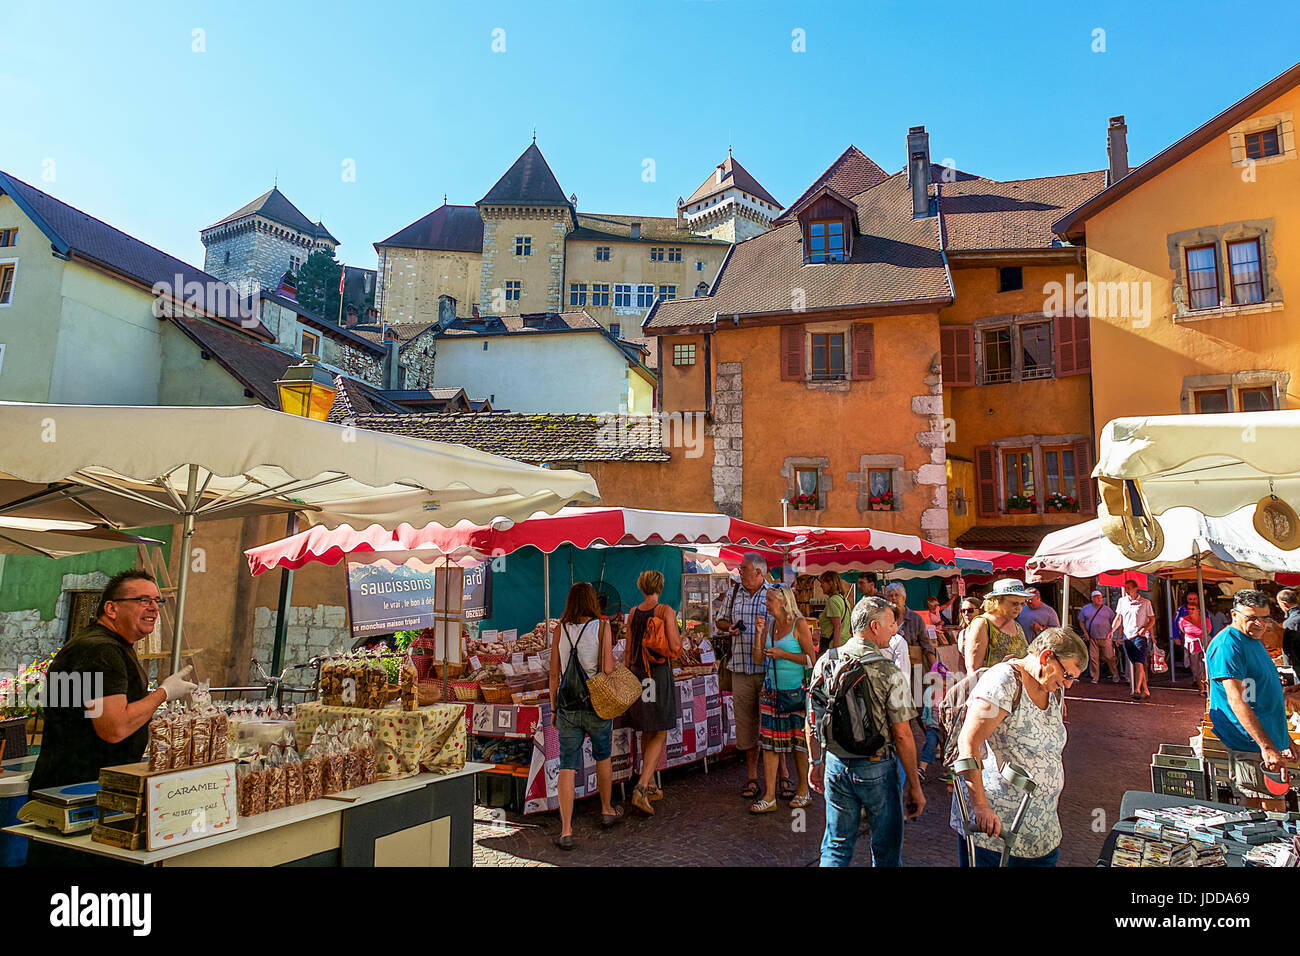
702, 820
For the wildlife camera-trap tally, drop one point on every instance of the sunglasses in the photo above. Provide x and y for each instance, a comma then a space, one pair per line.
969, 610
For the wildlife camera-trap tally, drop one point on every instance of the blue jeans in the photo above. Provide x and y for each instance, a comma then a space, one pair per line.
985, 857
931, 744
851, 787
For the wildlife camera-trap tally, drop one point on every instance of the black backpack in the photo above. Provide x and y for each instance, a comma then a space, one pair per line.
573, 693
843, 715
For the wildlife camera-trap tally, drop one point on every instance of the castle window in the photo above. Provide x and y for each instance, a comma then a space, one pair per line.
513, 288
645, 296
294, 264
523, 245
616, 330
699, 266
227, 257
657, 254
600, 293
675, 255
668, 291
577, 293
602, 253
622, 296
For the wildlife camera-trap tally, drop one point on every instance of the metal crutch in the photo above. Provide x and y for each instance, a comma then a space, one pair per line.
968, 827
1019, 778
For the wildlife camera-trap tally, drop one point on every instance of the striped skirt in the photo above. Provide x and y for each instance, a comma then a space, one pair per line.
779, 733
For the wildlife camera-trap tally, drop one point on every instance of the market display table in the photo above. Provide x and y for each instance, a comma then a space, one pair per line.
1138, 799
424, 820
406, 741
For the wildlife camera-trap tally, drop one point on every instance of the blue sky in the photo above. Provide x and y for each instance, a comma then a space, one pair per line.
139, 128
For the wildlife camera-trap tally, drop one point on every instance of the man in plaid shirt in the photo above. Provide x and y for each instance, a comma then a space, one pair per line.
746, 608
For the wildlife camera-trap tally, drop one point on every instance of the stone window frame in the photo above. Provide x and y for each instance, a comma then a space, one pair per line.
840, 327
1233, 382
644, 289
513, 285
606, 257
1219, 236
674, 254
1035, 444
823, 467
629, 291
1015, 322
901, 480
668, 292
577, 294
599, 289
525, 243
657, 253
1283, 122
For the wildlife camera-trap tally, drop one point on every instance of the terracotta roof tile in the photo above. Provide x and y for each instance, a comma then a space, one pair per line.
896, 260
733, 175
851, 173
534, 438
982, 214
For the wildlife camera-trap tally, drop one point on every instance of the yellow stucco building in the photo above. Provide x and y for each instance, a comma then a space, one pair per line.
1188, 265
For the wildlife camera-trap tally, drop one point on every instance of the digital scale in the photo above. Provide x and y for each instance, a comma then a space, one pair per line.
68, 809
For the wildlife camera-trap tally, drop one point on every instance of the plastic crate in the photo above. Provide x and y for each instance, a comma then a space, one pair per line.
1180, 777
14, 732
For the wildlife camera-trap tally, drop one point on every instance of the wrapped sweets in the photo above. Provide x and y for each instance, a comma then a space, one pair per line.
160, 743
311, 775
182, 732
220, 737
201, 732
274, 764
252, 789
410, 692
369, 758
351, 764
294, 789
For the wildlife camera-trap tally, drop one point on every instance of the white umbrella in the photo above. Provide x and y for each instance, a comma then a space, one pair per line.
61, 539
127, 465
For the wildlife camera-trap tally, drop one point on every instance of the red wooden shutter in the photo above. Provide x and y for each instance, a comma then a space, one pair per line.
957, 347
1073, 348
864, 350
792, 337
1083, 476
986, 481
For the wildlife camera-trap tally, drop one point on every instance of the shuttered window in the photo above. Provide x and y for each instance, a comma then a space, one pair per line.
957, 347
864, 351
792, 339
1086, 496
986, 481
1073, 345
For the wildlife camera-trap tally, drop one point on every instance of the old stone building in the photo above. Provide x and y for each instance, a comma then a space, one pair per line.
526, 248
258, 243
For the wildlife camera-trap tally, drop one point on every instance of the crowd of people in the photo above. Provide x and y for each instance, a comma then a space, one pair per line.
798, 684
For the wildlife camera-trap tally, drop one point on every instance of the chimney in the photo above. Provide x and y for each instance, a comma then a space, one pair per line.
636, 230
446, 311
392, 370
1117, 149
918, 170
719, 174
350, 316
681, 207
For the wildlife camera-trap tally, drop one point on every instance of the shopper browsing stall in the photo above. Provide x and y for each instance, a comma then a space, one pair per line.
1096, 621
580, 648
911, 625
995, 634
747, 612
789, 653
653, 640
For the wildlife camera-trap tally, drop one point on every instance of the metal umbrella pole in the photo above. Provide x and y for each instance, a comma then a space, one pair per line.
1205, 611
1065, 600
183, 579
1173, 629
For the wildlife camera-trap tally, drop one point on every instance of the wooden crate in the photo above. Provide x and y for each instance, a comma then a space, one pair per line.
123, 801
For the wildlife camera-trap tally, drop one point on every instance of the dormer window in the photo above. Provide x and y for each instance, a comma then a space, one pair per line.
826, 240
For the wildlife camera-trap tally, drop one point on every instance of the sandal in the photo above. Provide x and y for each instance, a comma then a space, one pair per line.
564, 842
763, 806
801, 801
612, 818
653, 793
752, 790
641, 801
785, 788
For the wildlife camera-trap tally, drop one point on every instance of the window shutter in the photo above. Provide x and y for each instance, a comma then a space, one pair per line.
792, 338
1073, 347
1083, 477
986, 481
957, 347
864, 350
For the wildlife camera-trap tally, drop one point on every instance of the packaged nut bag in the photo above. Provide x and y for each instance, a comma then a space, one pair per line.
369, 759
220, 737
294, 785
201, 730
252, 789
182, 739
351, 764
275, 793
160, 742
410, 692
311, 775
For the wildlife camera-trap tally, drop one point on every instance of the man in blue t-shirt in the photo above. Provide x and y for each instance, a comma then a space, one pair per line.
1246, 706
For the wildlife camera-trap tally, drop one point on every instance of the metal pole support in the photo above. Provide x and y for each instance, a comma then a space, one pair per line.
963, 805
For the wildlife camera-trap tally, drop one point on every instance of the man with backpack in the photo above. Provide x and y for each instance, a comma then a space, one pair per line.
860, 716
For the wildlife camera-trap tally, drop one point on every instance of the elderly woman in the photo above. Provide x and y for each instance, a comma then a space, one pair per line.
789, 651
834, 620
1016, 715
995, 635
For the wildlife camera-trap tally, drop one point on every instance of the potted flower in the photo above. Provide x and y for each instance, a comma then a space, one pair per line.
20, 706
882, 502
1018, 504
804, 502
1058, 503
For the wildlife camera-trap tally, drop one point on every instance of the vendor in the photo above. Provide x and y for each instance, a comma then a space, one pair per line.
97, 707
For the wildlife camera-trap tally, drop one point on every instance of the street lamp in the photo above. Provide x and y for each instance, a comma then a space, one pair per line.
307, 390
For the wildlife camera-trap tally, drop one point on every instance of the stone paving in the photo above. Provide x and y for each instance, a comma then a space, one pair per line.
702, 820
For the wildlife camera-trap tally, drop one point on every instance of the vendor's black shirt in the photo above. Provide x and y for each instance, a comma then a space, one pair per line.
95, 663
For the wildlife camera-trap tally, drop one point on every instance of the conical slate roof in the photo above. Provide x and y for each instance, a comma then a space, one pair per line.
528, 182
733, 174
274, 205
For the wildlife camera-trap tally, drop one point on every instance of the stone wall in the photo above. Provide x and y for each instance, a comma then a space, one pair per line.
25, 638
541, 272
934, 519
312, 631
410, 282
259, 252
418, 358
728, 441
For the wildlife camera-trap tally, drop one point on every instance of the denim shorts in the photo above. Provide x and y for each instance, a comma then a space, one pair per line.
574, 726
1138, 649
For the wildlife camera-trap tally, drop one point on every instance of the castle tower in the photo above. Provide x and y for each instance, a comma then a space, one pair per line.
729, 205
257, 244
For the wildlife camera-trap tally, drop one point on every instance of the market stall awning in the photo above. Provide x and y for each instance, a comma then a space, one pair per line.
1213, 463
580, 527
814, 550
1230, 544
61, 539
999, 561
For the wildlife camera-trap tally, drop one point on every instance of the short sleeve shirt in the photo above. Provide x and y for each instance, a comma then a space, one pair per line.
1096, 622
1235, 655
1135, 614
1043, 614
96, 663
1034, 739
914, 631
748, 609
898, 696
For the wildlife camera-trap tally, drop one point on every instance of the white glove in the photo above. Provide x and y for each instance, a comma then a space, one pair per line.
176, 685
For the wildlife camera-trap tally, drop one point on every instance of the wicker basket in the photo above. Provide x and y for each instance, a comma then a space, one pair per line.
492, 658
612, 694
495, 693
467, 691
453, 669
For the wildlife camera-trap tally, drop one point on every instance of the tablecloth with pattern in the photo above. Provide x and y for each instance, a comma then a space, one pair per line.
431, 738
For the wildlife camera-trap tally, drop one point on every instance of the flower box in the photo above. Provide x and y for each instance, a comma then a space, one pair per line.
1020, 511
875, 506
805, 507
1060, 510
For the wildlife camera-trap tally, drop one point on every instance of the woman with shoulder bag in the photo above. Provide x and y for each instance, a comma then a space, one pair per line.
995, 635
581, 646
834, 620
653, 640
784, 699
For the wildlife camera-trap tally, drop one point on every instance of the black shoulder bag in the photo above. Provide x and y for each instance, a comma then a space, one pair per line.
573, 693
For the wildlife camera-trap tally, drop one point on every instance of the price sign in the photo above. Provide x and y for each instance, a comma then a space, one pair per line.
510, 636
706, 657
190, 804
517, 659
705, 646
488, 637
535, 665
508, 669
475, 663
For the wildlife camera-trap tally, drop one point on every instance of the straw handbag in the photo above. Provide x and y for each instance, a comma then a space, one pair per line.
611, 694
